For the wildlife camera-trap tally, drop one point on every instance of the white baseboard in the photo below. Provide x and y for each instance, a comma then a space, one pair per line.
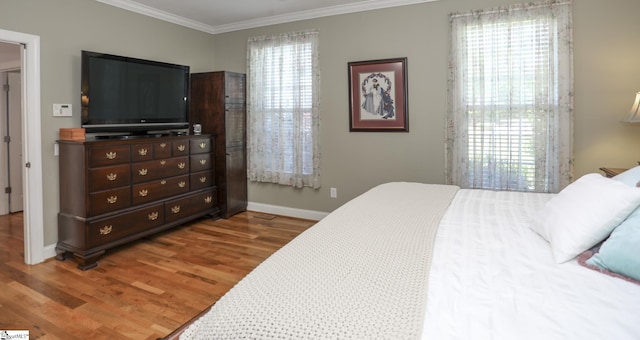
49, 251
286, 211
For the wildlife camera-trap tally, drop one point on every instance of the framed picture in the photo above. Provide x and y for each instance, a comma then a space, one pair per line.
378, 95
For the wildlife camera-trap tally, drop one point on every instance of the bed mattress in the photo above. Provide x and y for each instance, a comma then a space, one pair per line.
494, 278
403, 261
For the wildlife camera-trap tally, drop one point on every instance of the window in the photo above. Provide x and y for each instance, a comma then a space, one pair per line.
510, 98
282, 111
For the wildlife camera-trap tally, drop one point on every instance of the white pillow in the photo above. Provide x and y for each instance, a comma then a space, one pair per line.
629, 177
583, 214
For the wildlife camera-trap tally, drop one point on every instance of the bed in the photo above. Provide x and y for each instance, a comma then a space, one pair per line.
424, 261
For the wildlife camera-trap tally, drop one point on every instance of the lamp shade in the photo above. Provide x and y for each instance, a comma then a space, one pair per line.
634, 114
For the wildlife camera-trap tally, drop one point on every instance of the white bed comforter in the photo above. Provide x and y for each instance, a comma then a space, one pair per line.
494, 278
491, 277
360, 273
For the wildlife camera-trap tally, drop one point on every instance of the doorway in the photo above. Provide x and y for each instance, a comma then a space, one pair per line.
10, 126
31, 164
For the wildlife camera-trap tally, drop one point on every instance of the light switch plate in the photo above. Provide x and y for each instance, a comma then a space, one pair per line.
62, 110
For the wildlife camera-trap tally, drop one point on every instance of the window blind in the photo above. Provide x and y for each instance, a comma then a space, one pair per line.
510, 99
283, 109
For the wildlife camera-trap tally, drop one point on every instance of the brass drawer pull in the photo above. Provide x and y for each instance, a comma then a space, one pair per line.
111, 155
203, 179
143, 192
163, 162
203, 161
112, 176
153, 216
175, 209
181, 165
163, 182
203, 145
106, 230
182, 184
208, 199
142, 152
143, 172
181, 147
163, 145
112, 199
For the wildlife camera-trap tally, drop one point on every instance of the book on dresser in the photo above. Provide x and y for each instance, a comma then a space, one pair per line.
116, 191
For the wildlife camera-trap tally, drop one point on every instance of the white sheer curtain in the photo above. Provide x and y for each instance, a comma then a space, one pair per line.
282, 111
510, 117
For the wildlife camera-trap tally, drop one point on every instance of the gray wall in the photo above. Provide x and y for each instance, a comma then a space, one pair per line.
606, 73
606, 36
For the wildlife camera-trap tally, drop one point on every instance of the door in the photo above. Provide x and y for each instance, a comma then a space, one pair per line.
236, 177
11, 152
13, 140
4, 164
235, 125
11, 149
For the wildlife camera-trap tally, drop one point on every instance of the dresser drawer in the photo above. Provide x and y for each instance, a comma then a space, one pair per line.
190, 205
200, 145
114, 228
109, 200
152, 191
200, 162
109, 155
161, 150
180, 147
162, 168
201, 180
109, 177
141, 152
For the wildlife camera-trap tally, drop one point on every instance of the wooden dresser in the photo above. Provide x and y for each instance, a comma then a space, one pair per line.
116, 191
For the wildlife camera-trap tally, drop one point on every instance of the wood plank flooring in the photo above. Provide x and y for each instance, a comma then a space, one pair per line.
143, 290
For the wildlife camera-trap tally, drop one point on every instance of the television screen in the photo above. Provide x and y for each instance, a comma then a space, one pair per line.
122, 94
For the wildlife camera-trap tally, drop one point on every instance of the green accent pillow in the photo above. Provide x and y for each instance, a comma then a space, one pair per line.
620, 253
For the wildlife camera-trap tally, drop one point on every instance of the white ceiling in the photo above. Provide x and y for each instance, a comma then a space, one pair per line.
219, 16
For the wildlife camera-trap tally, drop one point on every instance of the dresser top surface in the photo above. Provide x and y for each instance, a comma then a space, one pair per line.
131, 139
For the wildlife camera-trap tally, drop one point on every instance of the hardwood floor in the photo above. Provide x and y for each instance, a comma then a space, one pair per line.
143, 290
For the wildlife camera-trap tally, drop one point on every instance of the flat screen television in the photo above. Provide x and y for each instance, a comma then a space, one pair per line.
123, 95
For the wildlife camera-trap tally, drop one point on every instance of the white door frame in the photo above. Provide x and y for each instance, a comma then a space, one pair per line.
31, 144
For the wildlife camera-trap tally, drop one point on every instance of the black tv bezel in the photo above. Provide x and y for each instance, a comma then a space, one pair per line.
132, 125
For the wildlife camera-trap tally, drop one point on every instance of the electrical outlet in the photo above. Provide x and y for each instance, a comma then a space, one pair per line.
333, 193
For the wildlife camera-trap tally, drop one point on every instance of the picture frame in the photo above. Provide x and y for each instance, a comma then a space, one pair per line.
378, 96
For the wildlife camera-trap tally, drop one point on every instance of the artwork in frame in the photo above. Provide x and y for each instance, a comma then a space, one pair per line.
378, 95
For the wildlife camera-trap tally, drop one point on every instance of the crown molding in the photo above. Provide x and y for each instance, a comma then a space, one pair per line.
316, 13
158, 14
272, 20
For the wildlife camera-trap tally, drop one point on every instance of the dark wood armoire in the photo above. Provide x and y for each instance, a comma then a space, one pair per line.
218, 103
